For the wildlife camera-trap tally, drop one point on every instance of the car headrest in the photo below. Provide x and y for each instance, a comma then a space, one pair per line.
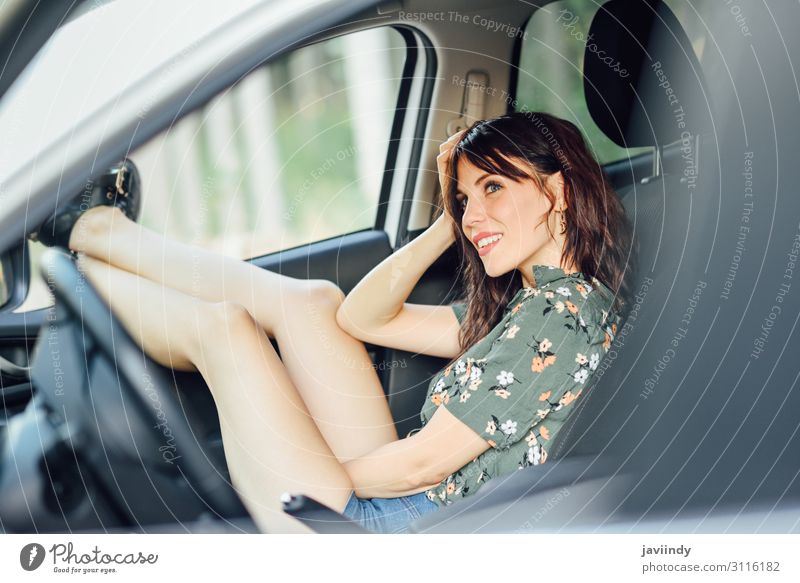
642, 80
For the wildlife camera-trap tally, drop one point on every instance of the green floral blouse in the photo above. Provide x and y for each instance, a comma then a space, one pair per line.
516, 386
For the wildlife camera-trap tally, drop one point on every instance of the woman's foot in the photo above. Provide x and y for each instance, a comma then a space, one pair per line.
119, 186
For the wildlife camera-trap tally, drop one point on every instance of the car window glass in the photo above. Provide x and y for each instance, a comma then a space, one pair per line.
292, 154
698, 19
550, 72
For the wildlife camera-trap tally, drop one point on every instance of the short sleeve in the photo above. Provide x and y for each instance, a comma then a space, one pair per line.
538, 364
460, 309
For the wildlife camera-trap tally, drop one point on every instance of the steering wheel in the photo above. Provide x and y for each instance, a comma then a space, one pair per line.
120, 408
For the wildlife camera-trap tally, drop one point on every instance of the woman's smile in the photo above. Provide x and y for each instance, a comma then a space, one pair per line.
487, 248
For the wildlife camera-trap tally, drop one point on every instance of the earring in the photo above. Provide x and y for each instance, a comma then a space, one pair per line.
563, 222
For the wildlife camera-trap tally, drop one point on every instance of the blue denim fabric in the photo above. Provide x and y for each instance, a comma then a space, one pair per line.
388, 515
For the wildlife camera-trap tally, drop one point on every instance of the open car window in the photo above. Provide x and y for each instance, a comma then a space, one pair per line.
292, 154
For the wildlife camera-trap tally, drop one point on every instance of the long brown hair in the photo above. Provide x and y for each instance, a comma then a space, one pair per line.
598, 236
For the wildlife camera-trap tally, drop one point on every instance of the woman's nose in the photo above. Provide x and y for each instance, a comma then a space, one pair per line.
474, 212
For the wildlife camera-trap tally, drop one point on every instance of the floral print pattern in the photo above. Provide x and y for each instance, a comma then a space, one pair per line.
535, 362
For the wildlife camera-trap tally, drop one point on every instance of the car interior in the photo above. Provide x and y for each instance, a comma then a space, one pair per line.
684, 419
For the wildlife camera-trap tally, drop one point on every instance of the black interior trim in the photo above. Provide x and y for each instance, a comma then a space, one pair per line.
418, 143
412, 54
324, 258
320, 518
16, 268
16, 326
14, 398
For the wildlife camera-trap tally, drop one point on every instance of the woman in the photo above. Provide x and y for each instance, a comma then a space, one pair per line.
316, 421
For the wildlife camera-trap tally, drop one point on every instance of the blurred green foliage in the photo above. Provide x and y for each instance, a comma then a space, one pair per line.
319, 189
316, 138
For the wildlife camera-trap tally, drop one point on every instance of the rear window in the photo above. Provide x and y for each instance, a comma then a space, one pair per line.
551, 72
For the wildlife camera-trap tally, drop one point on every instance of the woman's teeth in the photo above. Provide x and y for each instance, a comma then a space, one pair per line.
488, 240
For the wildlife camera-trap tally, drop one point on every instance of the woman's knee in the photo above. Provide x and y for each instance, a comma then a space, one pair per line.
226, 316
234, 312
324, 294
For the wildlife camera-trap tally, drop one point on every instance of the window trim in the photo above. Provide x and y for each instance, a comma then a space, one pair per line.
418, 137
396, 133
17, 267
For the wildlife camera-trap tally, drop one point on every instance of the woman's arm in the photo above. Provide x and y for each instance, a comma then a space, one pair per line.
380, 295
416, 463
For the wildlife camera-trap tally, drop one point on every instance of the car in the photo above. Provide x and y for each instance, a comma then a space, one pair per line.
302, 136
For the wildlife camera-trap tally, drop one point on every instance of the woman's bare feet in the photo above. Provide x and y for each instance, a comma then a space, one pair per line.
96, 224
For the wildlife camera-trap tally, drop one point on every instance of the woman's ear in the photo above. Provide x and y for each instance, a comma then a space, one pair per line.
555, 183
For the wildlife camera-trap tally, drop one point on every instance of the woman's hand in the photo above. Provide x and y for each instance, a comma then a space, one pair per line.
443, 159
445, 221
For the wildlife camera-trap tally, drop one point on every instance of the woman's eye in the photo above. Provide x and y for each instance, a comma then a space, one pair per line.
493, 186
490, 186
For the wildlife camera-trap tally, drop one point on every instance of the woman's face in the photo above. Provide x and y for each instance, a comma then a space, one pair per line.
516, 212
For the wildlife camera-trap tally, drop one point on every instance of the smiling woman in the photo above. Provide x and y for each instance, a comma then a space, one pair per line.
526, 191
545, 243
506, 200
546, 239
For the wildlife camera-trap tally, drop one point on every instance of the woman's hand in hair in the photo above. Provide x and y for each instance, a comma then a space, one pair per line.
443, 159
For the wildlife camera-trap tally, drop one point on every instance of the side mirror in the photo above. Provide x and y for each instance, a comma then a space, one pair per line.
15, 276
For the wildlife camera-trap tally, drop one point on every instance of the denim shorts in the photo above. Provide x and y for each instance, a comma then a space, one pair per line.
388, 515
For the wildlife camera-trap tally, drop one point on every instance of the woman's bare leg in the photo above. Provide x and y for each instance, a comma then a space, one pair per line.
271, 443
106, 233
334, 374
332, 370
